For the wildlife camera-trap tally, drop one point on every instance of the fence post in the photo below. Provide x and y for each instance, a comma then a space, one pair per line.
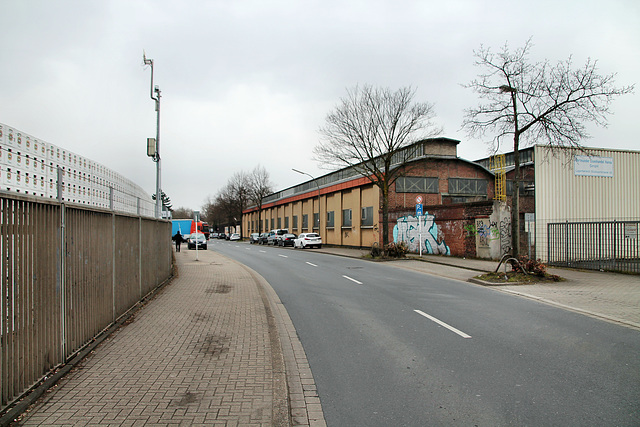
59, 184
113, 261
566, 236
61, 281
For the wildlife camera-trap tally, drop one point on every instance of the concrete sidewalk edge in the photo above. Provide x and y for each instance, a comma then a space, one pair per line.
608, 318
300, 393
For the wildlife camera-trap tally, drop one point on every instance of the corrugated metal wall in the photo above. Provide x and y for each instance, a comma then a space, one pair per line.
561, 195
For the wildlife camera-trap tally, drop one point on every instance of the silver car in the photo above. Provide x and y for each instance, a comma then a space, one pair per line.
197, 239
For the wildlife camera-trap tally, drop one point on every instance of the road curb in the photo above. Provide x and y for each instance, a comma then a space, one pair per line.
304, 407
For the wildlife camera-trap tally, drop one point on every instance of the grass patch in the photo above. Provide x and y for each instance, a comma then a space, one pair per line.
517, 277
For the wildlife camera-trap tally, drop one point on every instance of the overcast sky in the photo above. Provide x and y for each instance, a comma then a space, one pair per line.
249, 82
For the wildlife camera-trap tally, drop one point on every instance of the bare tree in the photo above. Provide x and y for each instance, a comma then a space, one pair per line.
260, 186
369, 131
231, 201
536, 103
183, 213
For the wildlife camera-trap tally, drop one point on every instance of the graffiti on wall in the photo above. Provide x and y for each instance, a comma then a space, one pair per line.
410, 229
488, 231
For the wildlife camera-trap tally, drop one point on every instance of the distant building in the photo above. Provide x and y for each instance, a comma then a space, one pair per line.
452, 191
579, 208
590, 188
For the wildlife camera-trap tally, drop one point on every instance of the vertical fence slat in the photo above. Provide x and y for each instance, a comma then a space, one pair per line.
57, 278
606, 245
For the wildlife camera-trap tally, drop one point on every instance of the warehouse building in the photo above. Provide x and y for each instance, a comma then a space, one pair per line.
344, 207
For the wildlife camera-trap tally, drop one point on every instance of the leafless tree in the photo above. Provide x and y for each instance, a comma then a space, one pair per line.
536, 103
369, 131
234, 197
260, 186
183, 213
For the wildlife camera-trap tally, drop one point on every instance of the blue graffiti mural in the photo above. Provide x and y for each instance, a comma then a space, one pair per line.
409, 228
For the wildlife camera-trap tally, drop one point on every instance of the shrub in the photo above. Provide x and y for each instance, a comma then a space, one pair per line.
375, 250
532, 266
397, 250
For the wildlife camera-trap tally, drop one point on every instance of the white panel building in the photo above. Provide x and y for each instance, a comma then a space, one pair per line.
30, 166
594, 186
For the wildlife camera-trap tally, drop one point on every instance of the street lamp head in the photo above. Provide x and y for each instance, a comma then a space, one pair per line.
145, 60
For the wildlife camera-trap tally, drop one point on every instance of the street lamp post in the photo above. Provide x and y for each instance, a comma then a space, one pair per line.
319, 204
156, 154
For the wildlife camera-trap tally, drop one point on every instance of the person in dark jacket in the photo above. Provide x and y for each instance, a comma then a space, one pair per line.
178, 239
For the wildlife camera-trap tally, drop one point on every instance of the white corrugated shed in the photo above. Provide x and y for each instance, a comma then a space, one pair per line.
575, 186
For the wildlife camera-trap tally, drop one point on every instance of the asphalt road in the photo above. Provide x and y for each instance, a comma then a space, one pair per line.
388, 346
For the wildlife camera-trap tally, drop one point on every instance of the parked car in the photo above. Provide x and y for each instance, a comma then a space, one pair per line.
198, 239
274, 235
234, 237
308, 240
262, 240
286, 240
214, 235
253, 238
221, 236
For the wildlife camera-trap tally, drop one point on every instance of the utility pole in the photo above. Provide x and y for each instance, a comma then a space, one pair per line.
155, 153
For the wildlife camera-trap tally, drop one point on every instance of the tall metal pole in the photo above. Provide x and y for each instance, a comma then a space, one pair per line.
315, 181
156, 157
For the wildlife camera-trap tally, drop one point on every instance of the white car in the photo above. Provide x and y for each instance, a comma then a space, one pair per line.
234, 236
308, 240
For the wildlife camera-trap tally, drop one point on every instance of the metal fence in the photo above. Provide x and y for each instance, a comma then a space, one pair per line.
609, 246
67, 273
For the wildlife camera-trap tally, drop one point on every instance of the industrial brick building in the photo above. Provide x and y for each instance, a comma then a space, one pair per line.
591, 193
344, 207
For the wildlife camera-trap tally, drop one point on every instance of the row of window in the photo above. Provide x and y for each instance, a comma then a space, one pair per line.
366, 220
457, 186
427, 185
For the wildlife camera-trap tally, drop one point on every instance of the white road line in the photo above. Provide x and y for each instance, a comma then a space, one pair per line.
353, 280
312, 265
283, 256
264, 252
441, 323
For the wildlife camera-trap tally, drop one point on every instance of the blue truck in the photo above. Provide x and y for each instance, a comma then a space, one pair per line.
188, 226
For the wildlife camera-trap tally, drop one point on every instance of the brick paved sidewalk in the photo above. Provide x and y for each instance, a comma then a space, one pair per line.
205, 351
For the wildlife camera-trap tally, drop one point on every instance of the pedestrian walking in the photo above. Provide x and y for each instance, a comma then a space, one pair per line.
178, 239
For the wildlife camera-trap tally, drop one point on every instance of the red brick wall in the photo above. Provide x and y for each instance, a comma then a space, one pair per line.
442, 169
451, 221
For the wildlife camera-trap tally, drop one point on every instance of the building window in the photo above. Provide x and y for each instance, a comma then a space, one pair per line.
279, 222
468, 186
416, 184
367, 217
273, 223
330, 219
526, 188
316, 220
295, 222
305, 222
346, 218
286, 222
